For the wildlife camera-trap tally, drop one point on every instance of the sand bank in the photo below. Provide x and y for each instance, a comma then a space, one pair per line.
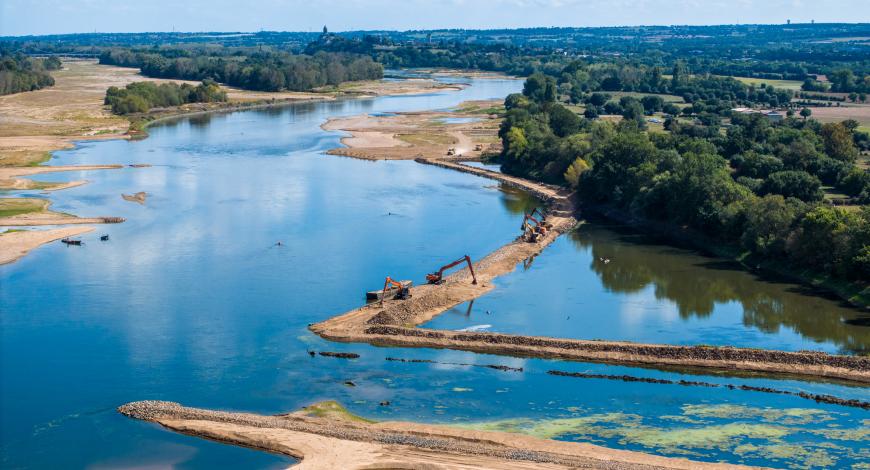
325, 436
136, 197
14, 245
430, 134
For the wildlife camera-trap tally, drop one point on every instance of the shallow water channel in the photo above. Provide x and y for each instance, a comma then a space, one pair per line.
191, 301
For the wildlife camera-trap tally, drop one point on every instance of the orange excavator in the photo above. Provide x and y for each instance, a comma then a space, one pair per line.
438, 277
402, 291
533, 233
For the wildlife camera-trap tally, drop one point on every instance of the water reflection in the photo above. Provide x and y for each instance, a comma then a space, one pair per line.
516, 201
609, 282
697, 284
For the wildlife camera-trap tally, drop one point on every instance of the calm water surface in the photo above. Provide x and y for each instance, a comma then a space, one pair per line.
605, 281
190, 301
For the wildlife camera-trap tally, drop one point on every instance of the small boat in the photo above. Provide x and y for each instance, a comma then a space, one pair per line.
71, 242
104, 238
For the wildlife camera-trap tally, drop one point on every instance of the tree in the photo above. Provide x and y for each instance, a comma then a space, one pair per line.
797, 184
598, 99
575, 171
839, 143
821, 240
632, 110
652, 104
769, 221
806, 113
563, 121
540, 88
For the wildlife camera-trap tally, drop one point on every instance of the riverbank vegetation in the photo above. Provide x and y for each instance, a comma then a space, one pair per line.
140, 97
17, 206
20, 73
735, 179
250, 69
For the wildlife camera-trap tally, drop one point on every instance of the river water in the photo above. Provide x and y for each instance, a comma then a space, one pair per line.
192, 301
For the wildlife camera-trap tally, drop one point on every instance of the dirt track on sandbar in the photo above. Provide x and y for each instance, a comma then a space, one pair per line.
328, 437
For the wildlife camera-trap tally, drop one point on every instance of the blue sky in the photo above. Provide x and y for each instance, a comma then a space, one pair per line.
22, 17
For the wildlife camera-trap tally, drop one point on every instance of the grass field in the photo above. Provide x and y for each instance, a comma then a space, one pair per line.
668, 98
793, 85
860, 113
18, 206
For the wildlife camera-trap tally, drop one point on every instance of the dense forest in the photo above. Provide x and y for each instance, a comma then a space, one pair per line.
140, 97
20, 73
251, 69
757, 185
771, 52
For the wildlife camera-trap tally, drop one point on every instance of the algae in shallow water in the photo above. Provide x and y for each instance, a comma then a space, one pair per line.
777, 436
783, 416
334, 410
553, 428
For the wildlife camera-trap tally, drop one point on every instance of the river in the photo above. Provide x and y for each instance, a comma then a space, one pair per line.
191, 300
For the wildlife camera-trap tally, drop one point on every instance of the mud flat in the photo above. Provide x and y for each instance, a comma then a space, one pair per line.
325, 436
16, 244
393, 324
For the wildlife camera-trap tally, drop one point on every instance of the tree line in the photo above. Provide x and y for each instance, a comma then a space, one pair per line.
248, 68
140, 97
758, 185
20, 73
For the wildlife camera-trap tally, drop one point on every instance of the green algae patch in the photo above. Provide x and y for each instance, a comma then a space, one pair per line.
784, 416
553, 428
333, 410
787, 438
857, 435
721, 436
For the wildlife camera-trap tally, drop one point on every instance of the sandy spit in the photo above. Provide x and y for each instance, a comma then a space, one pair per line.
14, 245
54, 218
329, 441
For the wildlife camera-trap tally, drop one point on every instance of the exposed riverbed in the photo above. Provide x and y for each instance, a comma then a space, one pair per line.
191, 301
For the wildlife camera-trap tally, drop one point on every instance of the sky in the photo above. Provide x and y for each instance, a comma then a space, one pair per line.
36, 17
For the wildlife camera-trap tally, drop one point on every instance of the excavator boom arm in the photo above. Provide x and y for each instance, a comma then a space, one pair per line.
437, 277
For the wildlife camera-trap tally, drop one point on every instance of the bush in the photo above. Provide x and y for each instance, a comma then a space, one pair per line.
140, 97
797, 184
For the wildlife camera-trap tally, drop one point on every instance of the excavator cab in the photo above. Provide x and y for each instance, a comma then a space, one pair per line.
438, 276
534, 229
403, 292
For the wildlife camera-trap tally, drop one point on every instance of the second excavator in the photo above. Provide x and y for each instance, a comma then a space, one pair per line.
534, 229
438, 276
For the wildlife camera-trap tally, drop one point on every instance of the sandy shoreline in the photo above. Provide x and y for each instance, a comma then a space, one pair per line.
325, 436
14, 245
33, 124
